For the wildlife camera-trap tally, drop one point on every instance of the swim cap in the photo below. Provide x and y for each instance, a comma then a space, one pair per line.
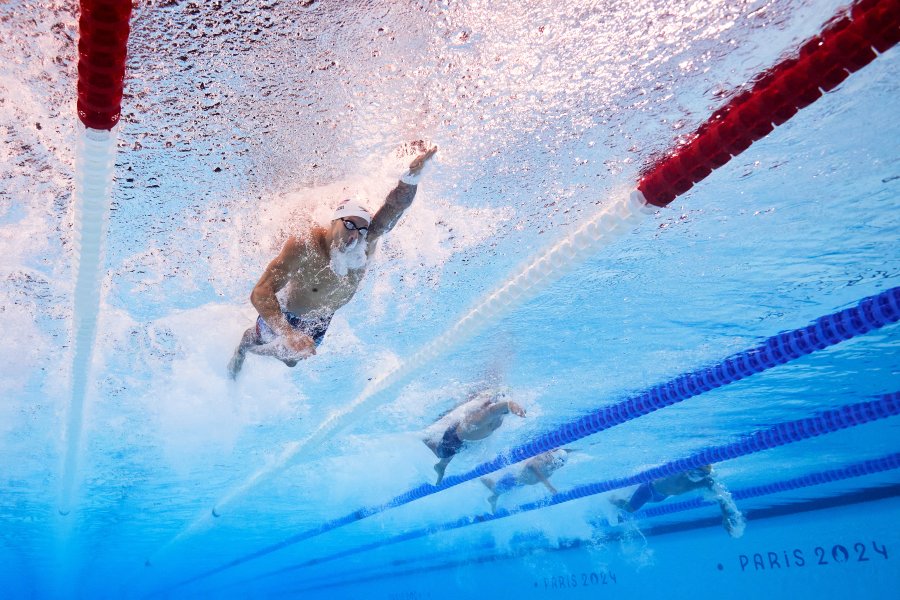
559, 458
351, 208
495, 393
699, 474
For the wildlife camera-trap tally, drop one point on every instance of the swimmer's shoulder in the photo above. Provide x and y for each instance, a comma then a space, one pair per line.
304, 247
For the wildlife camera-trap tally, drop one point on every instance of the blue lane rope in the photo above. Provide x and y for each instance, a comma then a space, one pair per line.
368, 574
779, 435
886, 406
870, 313
869, 467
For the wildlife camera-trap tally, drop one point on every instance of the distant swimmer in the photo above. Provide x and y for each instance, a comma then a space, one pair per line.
475, 420
321, 271
702, 478
537, 469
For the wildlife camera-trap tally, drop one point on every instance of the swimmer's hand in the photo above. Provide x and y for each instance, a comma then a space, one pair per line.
515, 409
418, 163
734, 524
296, 345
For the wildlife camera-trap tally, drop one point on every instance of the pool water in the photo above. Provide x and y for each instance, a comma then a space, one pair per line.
244, 122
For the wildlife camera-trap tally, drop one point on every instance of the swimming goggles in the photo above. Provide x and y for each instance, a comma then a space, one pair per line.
351, 226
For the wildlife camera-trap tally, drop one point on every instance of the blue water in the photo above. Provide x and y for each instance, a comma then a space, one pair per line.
243, 121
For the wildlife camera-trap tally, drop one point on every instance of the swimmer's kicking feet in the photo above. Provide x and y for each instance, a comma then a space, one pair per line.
324, 268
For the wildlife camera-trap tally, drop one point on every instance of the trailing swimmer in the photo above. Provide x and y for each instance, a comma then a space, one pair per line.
475, 420
537, 469
321, 271
702, 478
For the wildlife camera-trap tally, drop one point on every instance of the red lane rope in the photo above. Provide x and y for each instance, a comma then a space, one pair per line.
101, 61
824, 61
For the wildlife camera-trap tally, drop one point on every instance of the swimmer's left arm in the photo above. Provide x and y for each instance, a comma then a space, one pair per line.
514, 408
400, 198
732, 519
387, 216
543, 478
506, 407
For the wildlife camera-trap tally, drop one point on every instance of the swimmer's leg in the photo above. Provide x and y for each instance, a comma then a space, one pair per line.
492, 499
432, 445
440, 467
249, 340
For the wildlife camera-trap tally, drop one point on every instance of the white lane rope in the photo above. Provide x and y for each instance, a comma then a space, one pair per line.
94, 166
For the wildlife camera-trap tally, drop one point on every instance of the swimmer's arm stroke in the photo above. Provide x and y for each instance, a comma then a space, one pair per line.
542, 478
497, 409
273, 279
717, 492
506, 407
396, 203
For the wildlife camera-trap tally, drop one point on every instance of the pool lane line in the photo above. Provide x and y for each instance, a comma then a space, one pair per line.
868, 314
102, 46
868, 467
867, 495
848, 43
95, 151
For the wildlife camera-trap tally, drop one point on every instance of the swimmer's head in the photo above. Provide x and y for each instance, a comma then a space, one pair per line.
500, 393
348, 209
560, 457
699, 474
349, 227
491, 395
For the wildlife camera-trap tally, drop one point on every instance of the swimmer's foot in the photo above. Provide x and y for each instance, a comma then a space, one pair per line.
621, 503
439, 469
235, 364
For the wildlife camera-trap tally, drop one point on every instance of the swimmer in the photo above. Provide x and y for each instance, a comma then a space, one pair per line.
480, 417
702, 478
322, 271
536, 470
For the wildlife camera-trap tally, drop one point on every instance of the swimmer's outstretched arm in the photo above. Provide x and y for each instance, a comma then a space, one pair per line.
506, 407
396, 203
496, 409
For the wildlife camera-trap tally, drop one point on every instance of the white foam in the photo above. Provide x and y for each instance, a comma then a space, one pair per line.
367, 471
199, 412
32, 347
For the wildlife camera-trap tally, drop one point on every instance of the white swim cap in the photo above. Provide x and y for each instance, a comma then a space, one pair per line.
559, 457
494, 393
351, 208
699, 474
